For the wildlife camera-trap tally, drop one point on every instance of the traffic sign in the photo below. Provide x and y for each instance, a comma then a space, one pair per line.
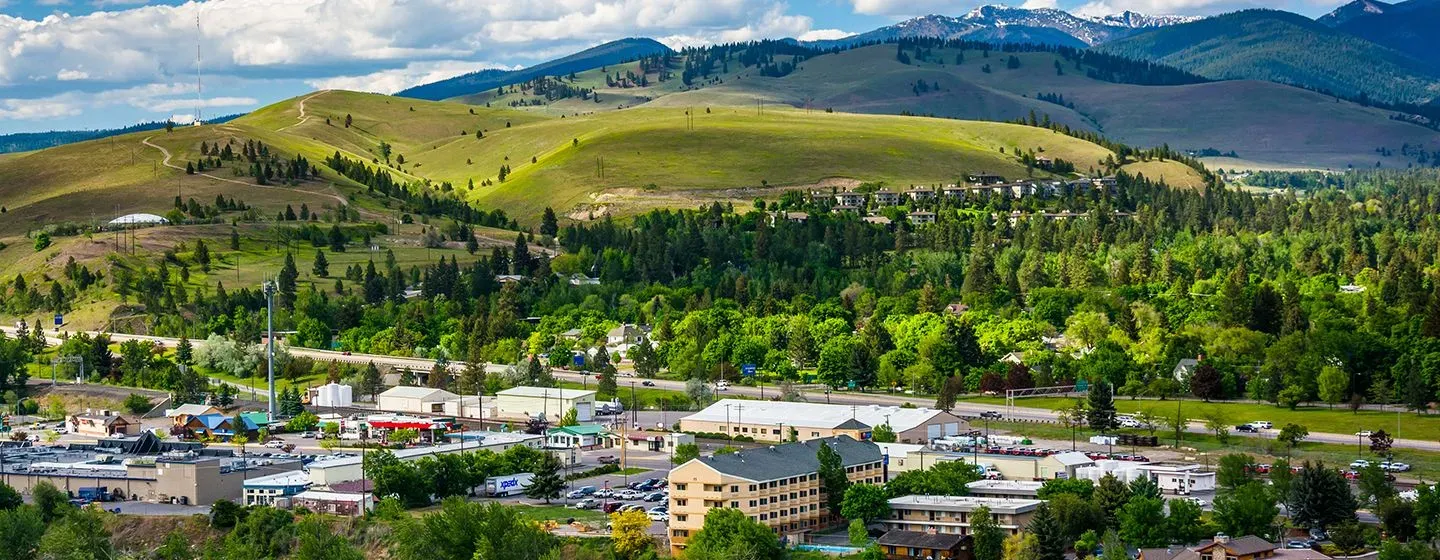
748, 370
59, 319
1082, 385
579, 360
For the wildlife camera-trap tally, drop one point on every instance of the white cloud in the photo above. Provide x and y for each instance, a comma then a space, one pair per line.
824, 35
1037, 4
909, 8
155, 98
413, 74
68, 75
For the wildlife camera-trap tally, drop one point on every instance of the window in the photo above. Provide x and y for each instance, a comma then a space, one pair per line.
734, 488
752, 487
680, 533
752, 503
681, 502
735, 505
775, 431
814, 434
681, 517
680, 486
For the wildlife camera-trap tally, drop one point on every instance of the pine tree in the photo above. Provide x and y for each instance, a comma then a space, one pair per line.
1046, 528
1320, 497
647, 364
371, 381
548, 224
547, 483
202, 255
234, 240
1101, 412
286, 282
322, 266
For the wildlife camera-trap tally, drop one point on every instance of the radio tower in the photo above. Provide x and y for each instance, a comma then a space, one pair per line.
198, 41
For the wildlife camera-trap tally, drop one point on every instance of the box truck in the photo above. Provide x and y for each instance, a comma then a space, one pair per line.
508, 485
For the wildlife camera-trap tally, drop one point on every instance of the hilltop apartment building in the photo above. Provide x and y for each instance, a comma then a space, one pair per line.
778, 486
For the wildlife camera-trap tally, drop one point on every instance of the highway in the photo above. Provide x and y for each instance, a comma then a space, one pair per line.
811, 394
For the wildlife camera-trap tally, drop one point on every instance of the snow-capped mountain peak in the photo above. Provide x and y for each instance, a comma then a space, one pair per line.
1137, 20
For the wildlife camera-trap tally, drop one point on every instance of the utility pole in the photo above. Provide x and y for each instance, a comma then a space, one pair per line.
269, 289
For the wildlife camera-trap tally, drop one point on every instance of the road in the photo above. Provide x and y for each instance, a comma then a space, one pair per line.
811, 394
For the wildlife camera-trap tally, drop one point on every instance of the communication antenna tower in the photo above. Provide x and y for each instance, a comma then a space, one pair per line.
199, 102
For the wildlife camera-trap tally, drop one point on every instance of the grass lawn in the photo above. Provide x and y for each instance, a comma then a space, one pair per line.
560, 513
1317, 418
631, 470
1208, 448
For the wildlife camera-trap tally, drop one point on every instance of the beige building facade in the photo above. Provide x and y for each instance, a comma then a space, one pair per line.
952, 514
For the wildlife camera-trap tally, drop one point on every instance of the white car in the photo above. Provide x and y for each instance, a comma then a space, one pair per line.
275, 444
1261, 425
1398, 467
1196, 501
1129, 423
1364, 433
722, 385
658, 516
1359, 464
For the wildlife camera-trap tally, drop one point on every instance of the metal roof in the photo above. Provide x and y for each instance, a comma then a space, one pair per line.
791, 459
816, 415
421, 393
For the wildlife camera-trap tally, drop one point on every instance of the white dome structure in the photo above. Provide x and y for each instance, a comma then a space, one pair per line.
138, 219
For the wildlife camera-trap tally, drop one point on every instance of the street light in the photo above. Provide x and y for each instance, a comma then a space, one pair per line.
269, 288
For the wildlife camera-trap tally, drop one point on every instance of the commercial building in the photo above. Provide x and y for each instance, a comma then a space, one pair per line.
214, 426
268, 490
552, 402
777, 486
326, 472
1013, 489
662, 442
1171, 477
1028, 467
772, 421
351, 504
581, 436
177, 477
102, 424
952, 514
906, 545
417, 400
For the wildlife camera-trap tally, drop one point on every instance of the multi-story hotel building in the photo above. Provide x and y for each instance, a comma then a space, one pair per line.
778, 486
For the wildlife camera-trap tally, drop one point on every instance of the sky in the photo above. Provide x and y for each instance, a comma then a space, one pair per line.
85, 64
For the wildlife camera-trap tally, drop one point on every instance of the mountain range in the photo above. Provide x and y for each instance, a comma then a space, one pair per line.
1004, 24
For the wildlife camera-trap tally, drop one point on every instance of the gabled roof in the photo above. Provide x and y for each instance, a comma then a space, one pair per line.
545, 392
1241, 546
422, 393
193, 409
791, 459
581, 430
1072, 459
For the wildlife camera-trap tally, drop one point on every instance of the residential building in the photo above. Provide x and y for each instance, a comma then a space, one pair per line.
952, 514
954, 192
921, 217
626, 335
906, 545
265, 490
920, 194
984, 178
777, 486
882, 220
102, 424
850, 198
1185, 368
214, 426
843, 208
772, 421
551, 402
191, 410
1012, 489
887, 197
418, 400
1221, 548
581, 436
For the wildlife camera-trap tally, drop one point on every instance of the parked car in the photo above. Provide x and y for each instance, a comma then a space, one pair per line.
275, 444
581, 492
611, 507
1299, 543
1359, 464
587, 503
722, 385
655, 497
605, 493
1399, 467
632, 507
1246, 428
609, 460
658, 516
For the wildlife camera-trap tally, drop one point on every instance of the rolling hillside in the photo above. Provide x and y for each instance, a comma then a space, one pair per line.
729, 154
1409, 27
1264, 122
609, 53
1286, 48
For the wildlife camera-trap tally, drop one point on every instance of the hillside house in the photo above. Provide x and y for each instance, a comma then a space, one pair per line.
850, 198
922, 217
1222, 547
887, 197
920, 194
102, 424
984, 178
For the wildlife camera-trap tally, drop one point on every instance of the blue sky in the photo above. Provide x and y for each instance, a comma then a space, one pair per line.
72, 64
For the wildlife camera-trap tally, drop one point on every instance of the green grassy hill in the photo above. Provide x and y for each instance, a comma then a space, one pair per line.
1264, 122
1287, 48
